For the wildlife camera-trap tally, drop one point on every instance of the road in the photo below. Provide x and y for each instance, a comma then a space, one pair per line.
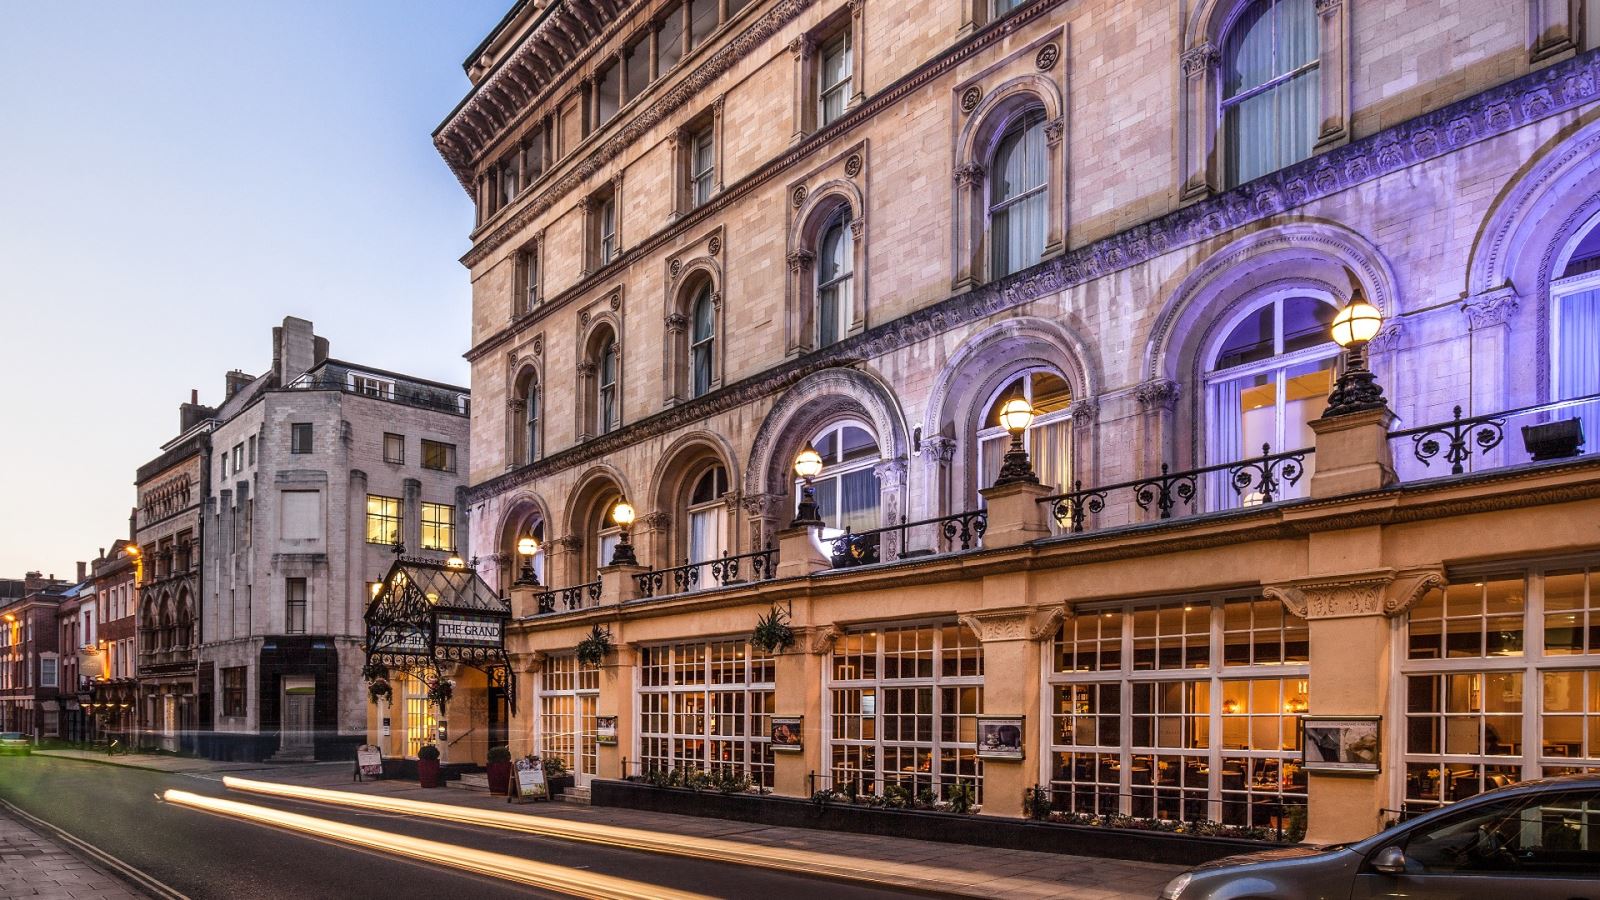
207, 856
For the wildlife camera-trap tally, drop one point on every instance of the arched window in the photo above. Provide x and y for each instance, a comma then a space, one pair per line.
526, 445
1270, 88
607, 414
1267, 380
835, 265
1018, 195
607, 534
1048, 440
708, 521
527, 523
847, 487
1575, 328
702, 341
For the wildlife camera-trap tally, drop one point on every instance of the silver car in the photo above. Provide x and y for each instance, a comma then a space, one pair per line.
1529, 841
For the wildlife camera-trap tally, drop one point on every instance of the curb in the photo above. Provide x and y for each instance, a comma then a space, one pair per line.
91, 853
47, 754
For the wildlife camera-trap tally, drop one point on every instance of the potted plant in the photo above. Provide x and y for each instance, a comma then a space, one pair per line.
772, 633
440, 692
428, 765
592, 650
379, 691
557, 777
499, 770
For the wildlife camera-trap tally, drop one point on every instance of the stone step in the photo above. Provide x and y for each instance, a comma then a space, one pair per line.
575, 794
473, 782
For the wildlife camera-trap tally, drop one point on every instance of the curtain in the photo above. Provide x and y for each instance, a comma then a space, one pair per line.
858, 495
705, 541
834, 77
1278, 125
833, 280
608, 546
1225, 433
1052, 453
1578, 358
991, 454
1017, 198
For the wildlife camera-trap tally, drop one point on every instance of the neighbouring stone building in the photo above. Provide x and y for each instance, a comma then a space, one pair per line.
319, 469
167, 527
112, 640
712, 233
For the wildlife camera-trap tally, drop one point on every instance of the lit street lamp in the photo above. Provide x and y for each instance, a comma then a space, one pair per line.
1015, 416
1357, 389
527, 547
807, 465
622, 515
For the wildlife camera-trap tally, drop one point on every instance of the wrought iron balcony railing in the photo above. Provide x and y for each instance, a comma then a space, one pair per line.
399, 393
568, 599
760, 565
1267, 478
954, 533
1555, 430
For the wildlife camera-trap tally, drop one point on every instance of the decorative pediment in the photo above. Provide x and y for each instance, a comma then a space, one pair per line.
1385, 592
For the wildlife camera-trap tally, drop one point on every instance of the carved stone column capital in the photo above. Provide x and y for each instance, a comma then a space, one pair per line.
1086, 409
801, 260
941, 448
802, 47
1196, 61
1378, 592
1491, 308
819, 640
1016, 624
891, 472
970, 174
676, 323
1055, 130
1158, 393
1326, 8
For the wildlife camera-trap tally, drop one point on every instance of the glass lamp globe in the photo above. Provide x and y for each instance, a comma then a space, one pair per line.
1016, 415
622, 513
808, 464
455, 562
527, 546
1357, 323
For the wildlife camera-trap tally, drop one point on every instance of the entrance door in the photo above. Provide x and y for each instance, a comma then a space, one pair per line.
299, 704
588, 755
499, 726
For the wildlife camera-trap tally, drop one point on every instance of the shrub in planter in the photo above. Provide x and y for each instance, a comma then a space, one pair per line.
428, 766
554, 766
499, 771
440, 692
961, 796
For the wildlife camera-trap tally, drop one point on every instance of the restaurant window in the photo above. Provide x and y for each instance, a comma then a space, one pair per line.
707, 707
294, 590
394, 448
901, 709
1500, 683
300, 437
419, 717
233, 695
568, 698
439, 456
383, 519
438, 526
1184, 710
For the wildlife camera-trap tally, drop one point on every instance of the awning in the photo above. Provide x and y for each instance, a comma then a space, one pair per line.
427, 614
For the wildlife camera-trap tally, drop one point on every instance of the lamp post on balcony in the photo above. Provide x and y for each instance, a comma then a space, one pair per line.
1015, 416
622, 515
527, 548
807, 465
1357, 389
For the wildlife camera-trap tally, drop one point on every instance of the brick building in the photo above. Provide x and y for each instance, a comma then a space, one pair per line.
713, 233
30, 673
319, 469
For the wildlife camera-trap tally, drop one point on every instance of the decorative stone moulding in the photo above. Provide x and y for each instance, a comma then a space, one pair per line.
852, 166
1385, 592
1014, 624
970, 98
1045, 59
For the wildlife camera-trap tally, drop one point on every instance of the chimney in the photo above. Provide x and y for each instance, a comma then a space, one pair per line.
83, 571
32, 581
294, 350
237, 380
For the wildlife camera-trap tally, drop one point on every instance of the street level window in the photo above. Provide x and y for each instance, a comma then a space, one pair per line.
569, 695
383, 519
439, 456
233, 694
300, 437
707, 707
438, 526
294, 591
394, 448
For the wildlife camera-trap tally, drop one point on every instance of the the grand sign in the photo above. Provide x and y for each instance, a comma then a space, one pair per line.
450, 630
409, 640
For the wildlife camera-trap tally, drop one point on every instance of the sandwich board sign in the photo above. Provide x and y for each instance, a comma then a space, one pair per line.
529, 783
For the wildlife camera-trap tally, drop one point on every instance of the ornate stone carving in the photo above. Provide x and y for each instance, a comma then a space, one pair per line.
1495, 307
820, 639
656, 521
802, 47
941, 448
714, 245
1159, 393
891, 473
1045, 629
801, 260
1410, 585
516, 404
1196, 61
762, 506
999, 625
1390, 337
970, 174
798, 197
1087, 409
616, 299
1326, 8
1377, 592
858, 228
970, 98
675, 267
538, 345
716, 299
585, 369
1045, 59
852, 165
677, 322
1055, 130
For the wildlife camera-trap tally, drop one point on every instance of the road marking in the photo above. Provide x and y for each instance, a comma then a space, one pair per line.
805, 862
128, 873
469, 859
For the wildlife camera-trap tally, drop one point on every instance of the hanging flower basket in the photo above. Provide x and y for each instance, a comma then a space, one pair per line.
593, 649
379, 690
772, 632
440, 692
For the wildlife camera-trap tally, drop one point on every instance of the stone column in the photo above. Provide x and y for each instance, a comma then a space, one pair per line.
802, 49
1333, 32
526, 669
1011, 686
797, 693
1085, 441
1198, 128
936, 490
763, 512
1489, 349
652, 537
616, 699
411, 515
891, 475
970, 216
1158, 403
1055, 132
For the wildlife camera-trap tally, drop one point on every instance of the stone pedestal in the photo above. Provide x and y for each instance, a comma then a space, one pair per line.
620, 583
1015, 514
524, 601
798, 555
1352, 453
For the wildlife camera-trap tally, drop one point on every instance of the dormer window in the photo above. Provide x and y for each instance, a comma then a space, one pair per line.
369, 386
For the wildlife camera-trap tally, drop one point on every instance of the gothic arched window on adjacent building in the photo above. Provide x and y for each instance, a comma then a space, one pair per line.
1575, 329
1271, 92
1018, 195
835, 270
1266, 380
702, 341
1048, 439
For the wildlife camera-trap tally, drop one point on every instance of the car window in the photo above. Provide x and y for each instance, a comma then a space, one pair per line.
1548, 834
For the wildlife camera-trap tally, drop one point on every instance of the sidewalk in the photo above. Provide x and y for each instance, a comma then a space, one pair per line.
174, 765
32, 865
982, 871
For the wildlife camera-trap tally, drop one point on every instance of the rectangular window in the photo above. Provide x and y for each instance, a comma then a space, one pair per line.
369, 386
527, 280
707, 707
438, 526
608, 230
833, 78
638, 67
294, 594
439, 456
608, 88
702, 20
669, 40
223, 462
419, 723
233, 696
702, 166
300, 516
47, 672
300, 437
383, 519
568, 697
238, 457
394, 448
252, 458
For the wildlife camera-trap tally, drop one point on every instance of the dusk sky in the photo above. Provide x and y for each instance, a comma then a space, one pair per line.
177, 178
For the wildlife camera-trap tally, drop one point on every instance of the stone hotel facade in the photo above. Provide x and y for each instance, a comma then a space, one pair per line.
712, 233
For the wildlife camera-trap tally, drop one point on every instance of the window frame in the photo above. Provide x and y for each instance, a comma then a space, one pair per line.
664, 693
302, 438
443, 528
296, 605
398, 456
1230, 141
843, 285
448, 464
1020, 123
844, 85
702, 347
383, 516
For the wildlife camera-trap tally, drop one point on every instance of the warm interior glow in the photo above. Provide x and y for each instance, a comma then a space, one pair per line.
1016, 415
527, 546
808, 463
574, 882
622, 513
377, 588
133, 549
1357, 323
455, 562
